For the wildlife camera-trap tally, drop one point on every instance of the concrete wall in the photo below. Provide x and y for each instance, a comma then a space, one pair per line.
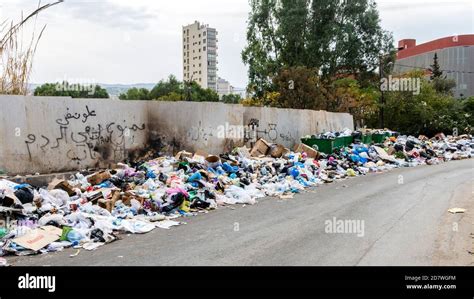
287, 126
51, 134
194, 126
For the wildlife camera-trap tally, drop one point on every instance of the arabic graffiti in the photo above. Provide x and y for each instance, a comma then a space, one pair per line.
107, 141
197, 133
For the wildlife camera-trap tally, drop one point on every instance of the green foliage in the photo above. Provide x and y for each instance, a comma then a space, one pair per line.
333, 36
134, 93
164, 88
172, 97
299, 88
436, 71
71, 90
427, 113
231, 99
172, 90
443, 85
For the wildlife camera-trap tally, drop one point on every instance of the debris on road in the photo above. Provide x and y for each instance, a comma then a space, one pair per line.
3, 262
456, 211
90, 211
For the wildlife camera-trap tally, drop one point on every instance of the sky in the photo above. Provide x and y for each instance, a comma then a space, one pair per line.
127, 42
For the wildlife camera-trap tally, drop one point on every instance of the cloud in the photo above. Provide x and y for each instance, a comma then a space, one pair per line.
99, 12
109, 14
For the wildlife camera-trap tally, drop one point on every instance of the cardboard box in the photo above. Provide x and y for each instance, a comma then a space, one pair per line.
62, 185
277, 150
200, 157
260, 148
312, 153
39, 238
9, 199
183, 154
98, 177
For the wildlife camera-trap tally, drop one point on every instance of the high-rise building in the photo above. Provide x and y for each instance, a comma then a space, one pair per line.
455, 57
200, 55
224, 87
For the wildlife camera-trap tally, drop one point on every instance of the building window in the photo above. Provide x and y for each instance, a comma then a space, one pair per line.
204, 48
204, 41
204, 34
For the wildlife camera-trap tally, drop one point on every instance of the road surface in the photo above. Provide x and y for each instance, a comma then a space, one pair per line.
404, 224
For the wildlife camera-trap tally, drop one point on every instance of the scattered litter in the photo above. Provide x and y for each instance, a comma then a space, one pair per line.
92, 246
75, 254
88, 211
166, 224
456, 211
3, 262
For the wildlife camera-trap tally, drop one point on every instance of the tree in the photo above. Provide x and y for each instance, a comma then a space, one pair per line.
435, 69
231, 99
66, 89
165, 87
134, 93
333, 36
427, 113
299, 88
443, 85
196, 93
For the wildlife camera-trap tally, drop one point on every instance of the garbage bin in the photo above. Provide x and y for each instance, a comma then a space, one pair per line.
339, 142
366, 139
380, 138
323, 145
348, 140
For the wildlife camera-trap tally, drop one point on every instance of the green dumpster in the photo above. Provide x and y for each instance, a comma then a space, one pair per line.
323, 145
380, 138
367, 139
348, 140
339, 142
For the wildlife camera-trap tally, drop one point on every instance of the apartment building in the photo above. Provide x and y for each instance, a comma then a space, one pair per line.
455, 57
200, 55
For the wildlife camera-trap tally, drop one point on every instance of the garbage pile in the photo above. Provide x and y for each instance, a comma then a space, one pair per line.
88, 211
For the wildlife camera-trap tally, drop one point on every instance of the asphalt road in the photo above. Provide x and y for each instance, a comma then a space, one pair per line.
404, 224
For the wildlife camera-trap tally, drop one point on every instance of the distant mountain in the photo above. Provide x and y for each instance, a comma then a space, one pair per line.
114, 90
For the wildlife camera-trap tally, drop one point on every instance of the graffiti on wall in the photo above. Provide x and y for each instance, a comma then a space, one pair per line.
272, 132
200, 133
94, 140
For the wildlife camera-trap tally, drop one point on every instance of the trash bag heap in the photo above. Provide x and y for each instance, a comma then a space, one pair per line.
88, 211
